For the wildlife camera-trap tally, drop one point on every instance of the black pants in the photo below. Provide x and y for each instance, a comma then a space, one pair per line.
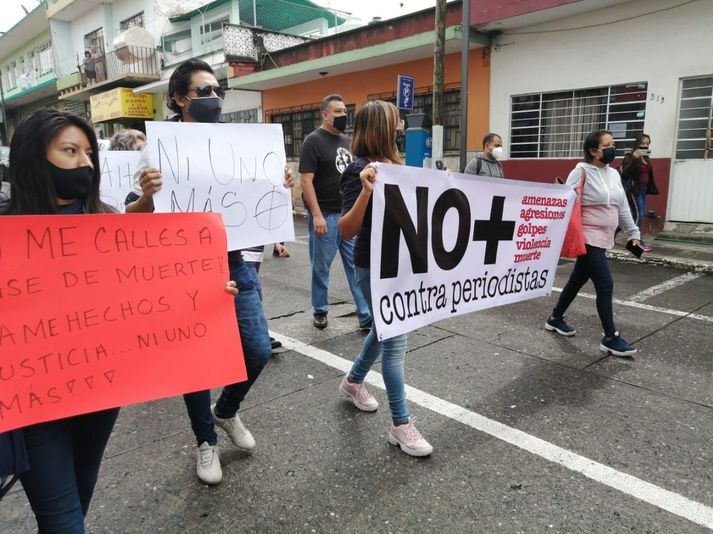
593, 265
64, 463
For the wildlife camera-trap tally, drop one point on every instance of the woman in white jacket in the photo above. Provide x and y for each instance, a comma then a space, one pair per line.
604, 208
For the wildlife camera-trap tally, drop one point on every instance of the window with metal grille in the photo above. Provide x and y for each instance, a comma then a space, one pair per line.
553, 125
245, 116
11, 71
695, 118
136, 20
423, 103
297, 123
213, 31
43, 58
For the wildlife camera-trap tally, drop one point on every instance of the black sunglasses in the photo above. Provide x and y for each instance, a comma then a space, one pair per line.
203, 91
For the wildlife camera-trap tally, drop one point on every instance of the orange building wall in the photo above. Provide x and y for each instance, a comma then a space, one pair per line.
355, 87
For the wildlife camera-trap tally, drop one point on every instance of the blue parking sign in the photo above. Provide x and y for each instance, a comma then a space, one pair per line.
404, 92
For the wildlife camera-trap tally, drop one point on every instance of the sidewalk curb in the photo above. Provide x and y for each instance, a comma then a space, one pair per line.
674, 262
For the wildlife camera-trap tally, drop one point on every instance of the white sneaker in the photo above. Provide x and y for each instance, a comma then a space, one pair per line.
208, 464
409, 439
234, 427
359, 396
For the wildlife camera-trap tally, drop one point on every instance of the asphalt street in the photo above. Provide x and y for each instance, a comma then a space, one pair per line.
532, 432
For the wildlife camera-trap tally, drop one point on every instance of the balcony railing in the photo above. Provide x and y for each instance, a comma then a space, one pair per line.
126, 62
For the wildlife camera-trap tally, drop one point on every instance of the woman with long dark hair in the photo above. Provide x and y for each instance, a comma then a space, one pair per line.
637, 175
375, 128
54, 166
604, 208
54, 169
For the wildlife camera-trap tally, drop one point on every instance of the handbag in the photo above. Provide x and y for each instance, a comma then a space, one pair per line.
574, 244
13, 459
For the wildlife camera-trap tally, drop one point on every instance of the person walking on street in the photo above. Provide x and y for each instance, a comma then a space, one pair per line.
604, 208
637, 174
487, 162
324, 156
375, 129
196, 96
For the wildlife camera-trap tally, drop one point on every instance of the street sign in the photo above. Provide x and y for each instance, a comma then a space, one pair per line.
404, 92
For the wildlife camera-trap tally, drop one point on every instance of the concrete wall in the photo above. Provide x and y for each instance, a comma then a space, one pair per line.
34, 78
355, 87
659, 49
68, 37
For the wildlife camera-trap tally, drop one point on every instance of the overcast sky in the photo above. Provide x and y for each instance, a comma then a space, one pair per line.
364, 9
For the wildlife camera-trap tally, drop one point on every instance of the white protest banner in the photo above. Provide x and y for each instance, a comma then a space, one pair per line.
233, 169
117, 171
445, 244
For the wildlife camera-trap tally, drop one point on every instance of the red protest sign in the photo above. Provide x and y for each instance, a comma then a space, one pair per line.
98, 311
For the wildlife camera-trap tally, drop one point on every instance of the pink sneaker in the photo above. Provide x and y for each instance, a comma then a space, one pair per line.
646, 247
409, 439
358, 394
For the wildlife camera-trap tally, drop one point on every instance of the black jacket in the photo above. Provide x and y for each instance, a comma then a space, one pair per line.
631, 176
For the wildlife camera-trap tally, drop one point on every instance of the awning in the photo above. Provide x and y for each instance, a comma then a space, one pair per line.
160, 86
271, 15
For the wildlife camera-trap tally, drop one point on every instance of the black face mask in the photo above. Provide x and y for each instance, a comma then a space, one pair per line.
206, 109
71, 184
340, 123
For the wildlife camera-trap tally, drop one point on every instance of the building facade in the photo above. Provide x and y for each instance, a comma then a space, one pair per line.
27, 70
363, 64
560, 69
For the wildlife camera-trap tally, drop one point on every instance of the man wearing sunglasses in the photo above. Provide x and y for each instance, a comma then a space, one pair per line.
195, 95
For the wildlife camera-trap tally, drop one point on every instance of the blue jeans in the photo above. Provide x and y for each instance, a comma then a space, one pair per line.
641, 204
254, 267
65, 456
393, 356
592, 265
322, 250
255, 340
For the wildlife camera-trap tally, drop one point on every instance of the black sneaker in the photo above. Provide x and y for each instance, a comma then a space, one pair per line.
366, 326
274, 343
560, 326
617, 346
320, 321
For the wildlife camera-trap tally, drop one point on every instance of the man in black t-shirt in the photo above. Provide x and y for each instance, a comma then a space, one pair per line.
324, 156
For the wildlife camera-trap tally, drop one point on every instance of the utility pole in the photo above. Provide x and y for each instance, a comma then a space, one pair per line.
464, 53
438, 59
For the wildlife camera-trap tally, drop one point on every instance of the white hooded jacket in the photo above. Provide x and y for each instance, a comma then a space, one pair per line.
604, 205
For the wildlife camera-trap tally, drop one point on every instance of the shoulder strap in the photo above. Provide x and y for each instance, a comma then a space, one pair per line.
478, 164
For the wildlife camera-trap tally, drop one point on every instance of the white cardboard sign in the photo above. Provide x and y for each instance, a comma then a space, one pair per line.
444, 244
117, 171
236, 170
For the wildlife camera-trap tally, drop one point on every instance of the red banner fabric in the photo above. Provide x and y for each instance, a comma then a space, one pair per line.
98, 311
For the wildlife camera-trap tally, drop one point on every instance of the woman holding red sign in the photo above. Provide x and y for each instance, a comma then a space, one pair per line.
54, 170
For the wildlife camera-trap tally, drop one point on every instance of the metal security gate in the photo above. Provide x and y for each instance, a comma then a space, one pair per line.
691, 190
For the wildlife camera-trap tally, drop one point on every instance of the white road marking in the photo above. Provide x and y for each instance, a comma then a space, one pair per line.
645, 491
664, 286
648, 307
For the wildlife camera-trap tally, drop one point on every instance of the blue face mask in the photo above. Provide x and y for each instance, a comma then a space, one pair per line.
608, 155
206, 109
